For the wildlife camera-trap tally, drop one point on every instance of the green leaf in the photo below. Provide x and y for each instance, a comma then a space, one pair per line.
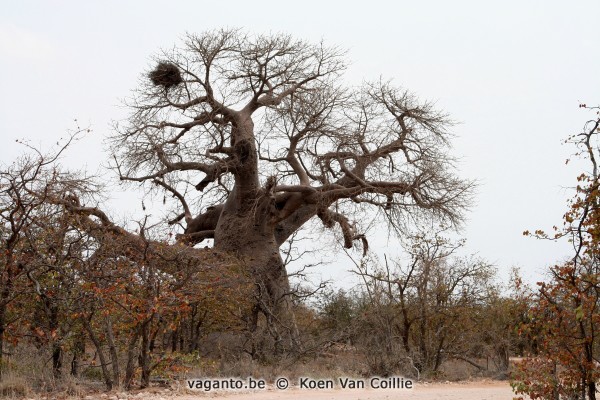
579, 313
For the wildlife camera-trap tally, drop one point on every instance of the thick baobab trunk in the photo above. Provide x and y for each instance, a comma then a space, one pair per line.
250, 236
246, 227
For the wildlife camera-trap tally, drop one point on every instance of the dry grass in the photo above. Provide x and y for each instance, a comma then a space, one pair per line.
28, 373
13, 387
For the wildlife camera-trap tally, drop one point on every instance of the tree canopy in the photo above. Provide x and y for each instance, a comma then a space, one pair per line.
265, 124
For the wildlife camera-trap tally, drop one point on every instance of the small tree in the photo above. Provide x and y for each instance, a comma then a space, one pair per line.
418, 314
70, 277
566, 319
27, 219
132, 303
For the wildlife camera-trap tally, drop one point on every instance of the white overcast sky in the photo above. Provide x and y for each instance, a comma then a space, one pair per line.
511, 72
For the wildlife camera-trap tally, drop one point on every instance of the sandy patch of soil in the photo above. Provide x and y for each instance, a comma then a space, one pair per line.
460, 391
478, 390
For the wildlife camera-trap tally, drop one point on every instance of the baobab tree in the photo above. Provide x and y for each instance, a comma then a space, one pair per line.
254, 136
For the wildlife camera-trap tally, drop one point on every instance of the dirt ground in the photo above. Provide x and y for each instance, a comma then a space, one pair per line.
466, 391
479, 390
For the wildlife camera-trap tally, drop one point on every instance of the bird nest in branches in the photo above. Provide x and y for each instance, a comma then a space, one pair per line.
166, 75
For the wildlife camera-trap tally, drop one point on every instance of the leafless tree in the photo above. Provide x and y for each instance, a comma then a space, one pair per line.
253, 136
424, 311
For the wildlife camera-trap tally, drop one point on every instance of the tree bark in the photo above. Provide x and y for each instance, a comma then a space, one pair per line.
2, 329
5, 296
54, 328
78, 351
144, 359
112, 347
130, 368
103, 364
246, 228
252, 238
